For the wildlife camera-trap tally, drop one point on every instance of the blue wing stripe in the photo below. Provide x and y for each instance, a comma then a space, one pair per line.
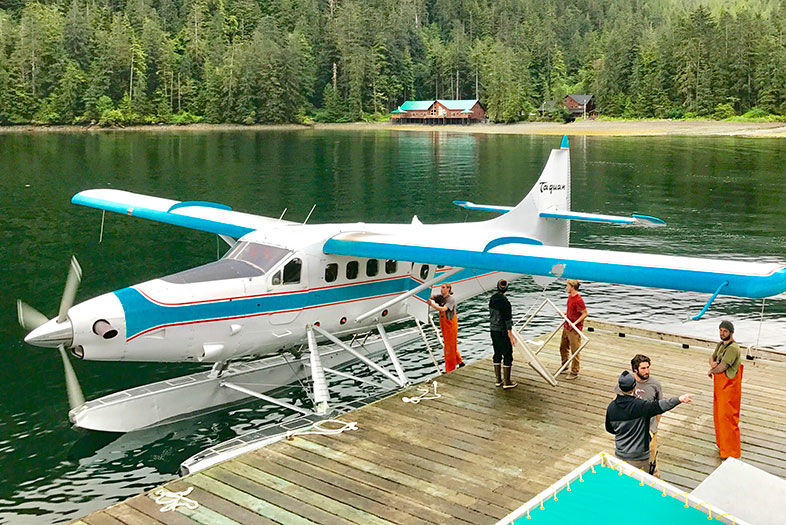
194, 223
740, 285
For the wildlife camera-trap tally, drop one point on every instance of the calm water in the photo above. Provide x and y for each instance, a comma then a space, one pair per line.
718, 196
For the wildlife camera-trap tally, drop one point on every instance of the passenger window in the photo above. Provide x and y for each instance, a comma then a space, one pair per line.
276, 280
292, 271
352, 270
331, 272
391, 267
372, 267
424, 271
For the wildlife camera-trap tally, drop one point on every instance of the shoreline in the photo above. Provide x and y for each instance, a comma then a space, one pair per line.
602, 128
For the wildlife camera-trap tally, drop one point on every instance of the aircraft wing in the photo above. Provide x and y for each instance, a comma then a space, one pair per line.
519, 255
198, 215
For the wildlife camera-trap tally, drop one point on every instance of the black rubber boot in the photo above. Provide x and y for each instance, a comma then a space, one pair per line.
498, 374
507, 383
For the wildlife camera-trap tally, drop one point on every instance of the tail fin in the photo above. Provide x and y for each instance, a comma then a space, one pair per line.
551, 192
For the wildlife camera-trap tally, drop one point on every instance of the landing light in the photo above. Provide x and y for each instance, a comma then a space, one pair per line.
104, 329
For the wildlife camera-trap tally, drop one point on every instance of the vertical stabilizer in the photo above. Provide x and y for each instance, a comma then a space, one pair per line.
551, 192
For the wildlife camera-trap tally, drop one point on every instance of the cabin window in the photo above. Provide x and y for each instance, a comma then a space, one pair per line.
292, 271
276, 279
391, 266
352, 269
331, 272
372, 267
424, 271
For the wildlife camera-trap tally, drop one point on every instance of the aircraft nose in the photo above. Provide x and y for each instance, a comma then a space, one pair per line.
52, 334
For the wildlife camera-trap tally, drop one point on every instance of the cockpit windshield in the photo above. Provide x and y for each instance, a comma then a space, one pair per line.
245, 259
262, 256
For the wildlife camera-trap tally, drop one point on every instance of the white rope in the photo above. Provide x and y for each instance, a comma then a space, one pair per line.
424, 395
318, 429
172, 500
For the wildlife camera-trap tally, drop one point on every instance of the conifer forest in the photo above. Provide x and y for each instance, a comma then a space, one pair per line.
116, 62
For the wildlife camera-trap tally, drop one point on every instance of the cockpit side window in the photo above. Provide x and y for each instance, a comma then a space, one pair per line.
262, 256
292, 271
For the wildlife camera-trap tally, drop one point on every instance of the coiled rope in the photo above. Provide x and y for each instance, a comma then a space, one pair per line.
425, 395
172, 500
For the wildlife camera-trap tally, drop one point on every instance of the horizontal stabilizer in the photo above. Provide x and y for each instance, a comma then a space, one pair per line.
643, 220
483, 207
744, 279
196, 215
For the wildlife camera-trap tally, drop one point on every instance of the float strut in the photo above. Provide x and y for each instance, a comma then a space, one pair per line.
321, 394
402, 377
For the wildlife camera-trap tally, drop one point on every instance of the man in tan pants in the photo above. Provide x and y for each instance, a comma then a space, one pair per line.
571, 340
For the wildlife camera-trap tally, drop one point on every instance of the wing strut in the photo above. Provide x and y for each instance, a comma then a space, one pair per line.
707, 306
406, 295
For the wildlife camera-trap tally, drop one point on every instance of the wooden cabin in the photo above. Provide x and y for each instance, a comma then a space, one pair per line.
439, 112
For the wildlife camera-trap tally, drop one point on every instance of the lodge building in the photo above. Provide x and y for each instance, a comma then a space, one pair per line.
439, 112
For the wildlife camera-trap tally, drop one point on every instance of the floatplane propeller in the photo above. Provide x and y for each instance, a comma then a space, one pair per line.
58, 332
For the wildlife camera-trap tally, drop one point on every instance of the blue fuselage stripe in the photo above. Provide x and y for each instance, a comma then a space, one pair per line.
142, 314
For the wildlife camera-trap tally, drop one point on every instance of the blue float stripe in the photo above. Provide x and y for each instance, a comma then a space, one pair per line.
194, 223
740, 285
565, 144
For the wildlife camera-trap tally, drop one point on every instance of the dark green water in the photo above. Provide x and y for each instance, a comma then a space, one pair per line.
719, 196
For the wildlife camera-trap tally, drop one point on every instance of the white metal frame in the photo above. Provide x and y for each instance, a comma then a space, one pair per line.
531, 349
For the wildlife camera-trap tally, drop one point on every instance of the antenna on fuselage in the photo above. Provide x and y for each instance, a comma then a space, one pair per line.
282, 214
309, 213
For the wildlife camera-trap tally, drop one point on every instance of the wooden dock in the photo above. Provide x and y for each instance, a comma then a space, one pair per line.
478, 452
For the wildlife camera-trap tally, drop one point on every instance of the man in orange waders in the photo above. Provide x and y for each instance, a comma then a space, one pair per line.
445, 304
726, 373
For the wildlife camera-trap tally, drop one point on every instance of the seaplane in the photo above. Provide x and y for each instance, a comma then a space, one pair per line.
288, 287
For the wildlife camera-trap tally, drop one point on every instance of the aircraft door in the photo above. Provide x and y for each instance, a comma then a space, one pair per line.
416, 305
287, 285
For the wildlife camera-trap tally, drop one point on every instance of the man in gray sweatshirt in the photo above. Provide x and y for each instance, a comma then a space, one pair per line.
628, 418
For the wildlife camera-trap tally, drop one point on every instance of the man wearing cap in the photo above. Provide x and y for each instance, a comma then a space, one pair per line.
628, 418
571, 340
501, 327
726, 373
649, 389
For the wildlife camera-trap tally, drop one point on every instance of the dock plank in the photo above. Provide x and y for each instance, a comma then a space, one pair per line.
478, 451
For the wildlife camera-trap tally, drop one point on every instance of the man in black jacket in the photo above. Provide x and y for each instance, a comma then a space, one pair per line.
628, 418
501, 327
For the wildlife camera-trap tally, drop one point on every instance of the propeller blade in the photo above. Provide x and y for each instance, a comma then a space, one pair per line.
75, 397
69, 293
29, 317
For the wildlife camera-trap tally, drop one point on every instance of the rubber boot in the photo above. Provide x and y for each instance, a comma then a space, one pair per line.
507, 383
498, 374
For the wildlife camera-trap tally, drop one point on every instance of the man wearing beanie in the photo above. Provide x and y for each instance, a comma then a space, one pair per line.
501, 327
726, 373
628, 418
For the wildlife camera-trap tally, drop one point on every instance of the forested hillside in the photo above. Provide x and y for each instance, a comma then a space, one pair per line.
275, 61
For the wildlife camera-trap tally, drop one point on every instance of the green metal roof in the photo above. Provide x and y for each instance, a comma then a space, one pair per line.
416, 105
458, 104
